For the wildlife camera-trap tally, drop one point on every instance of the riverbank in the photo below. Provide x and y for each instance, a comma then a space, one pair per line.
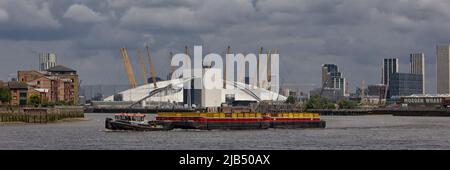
427, 112
42, 115
66, 120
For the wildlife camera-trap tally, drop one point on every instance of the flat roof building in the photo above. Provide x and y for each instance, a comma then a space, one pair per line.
443, 69
417, 66
404, 84
390, 66
332, 80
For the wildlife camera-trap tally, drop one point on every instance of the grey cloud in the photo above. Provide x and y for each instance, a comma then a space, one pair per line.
82, 13
355, 34
4, 16
154, 3
207, 17
27, 14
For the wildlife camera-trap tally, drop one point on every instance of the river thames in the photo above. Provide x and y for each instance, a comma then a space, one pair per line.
342, 132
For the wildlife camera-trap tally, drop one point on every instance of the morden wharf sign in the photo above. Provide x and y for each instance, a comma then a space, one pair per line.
423, 100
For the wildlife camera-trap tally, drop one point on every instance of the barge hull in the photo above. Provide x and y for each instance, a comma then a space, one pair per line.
299, 125
239, 123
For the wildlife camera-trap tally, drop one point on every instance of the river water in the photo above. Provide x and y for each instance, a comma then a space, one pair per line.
342, 132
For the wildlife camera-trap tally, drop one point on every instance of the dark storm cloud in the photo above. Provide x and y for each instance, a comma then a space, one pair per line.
355, 34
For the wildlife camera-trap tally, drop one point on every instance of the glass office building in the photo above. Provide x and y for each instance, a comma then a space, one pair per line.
405, 84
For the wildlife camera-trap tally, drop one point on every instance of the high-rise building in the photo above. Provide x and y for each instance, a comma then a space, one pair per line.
417, 66
390, 66
443, 69
405, 84
332, 79
47, 61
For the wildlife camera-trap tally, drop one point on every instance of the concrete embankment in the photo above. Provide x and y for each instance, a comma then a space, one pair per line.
41, 115
383, 111
344, 112
134, 110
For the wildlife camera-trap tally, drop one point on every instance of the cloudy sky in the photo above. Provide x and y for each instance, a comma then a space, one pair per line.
355, 34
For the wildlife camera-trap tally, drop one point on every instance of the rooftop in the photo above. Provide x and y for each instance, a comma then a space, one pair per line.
17, 85
60, 68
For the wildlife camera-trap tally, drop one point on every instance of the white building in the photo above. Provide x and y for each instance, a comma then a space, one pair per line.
210, 97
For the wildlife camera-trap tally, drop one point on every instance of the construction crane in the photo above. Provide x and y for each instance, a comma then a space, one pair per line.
128, 69
141, 61
152, 68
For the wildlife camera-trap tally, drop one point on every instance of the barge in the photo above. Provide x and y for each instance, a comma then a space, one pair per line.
240, 121
212, 121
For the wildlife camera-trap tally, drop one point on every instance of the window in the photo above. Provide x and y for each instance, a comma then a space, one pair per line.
38, 82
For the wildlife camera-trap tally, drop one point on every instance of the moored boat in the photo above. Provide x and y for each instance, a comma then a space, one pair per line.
135, 122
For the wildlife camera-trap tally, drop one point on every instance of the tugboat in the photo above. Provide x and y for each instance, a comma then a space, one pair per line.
135, 122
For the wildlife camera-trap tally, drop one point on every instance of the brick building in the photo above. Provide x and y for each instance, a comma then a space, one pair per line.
54, 85
19, 93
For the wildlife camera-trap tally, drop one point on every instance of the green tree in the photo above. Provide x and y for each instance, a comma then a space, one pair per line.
317, 102
329, 106
35, 99
290, 100
346, 104
314, 102
5, 95
61, 103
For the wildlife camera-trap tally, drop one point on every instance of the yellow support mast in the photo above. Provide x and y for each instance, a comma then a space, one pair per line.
152, 68
144, 71
128, 68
